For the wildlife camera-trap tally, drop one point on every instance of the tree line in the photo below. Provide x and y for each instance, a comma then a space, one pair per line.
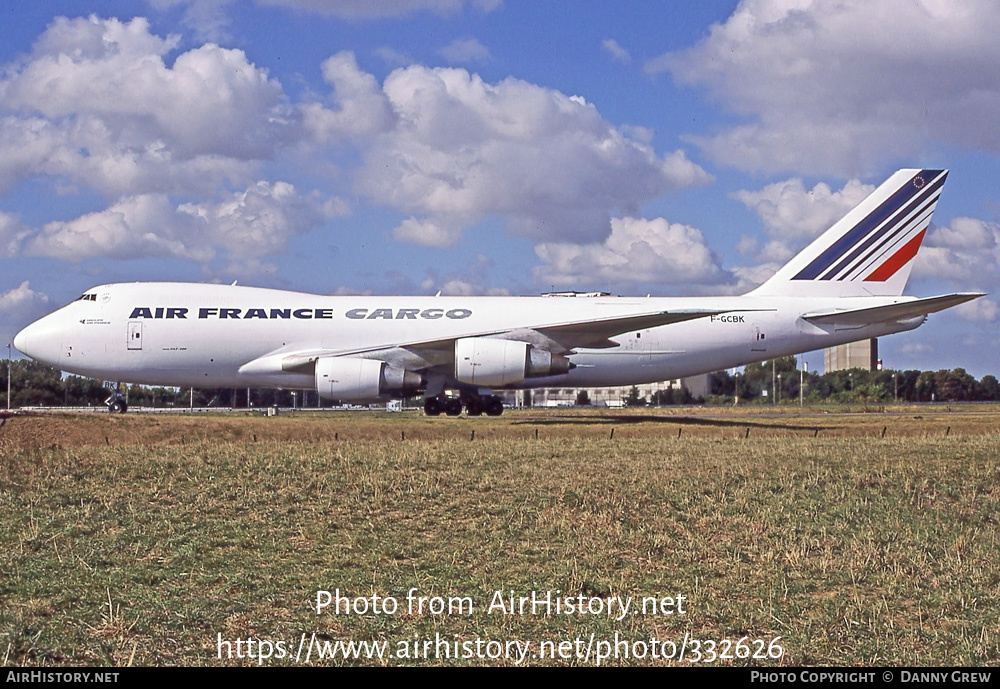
778, 381
35, 384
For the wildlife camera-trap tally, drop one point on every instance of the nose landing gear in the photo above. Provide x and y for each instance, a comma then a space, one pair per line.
116, 403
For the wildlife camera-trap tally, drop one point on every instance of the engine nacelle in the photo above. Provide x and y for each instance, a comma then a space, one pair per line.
358, 380
497, 363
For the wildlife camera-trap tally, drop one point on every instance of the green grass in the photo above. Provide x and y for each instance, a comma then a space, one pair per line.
852, 548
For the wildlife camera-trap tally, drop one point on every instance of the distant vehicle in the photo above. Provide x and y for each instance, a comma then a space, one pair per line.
456, 351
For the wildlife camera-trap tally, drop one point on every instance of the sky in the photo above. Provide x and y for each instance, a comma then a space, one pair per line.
492, 147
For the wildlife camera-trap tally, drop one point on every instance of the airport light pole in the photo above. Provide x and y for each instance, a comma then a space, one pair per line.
802, 371
8, 376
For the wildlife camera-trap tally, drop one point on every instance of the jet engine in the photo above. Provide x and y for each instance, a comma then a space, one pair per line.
496, 363
357, 380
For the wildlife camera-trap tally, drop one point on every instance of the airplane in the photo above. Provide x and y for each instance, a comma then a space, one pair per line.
845, 286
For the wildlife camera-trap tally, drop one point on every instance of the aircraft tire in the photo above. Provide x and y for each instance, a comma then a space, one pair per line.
453, 406
118, 407
432, 406
494, 406
474, 407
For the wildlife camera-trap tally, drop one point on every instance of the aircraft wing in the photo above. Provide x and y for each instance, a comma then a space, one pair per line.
890, 312
557, 338
597, 333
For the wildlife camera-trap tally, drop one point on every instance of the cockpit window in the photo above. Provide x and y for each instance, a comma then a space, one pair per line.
88, 297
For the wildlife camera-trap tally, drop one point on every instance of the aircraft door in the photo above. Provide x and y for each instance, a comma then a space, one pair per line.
135, 335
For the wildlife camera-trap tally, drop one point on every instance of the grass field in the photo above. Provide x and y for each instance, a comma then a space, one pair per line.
857, 538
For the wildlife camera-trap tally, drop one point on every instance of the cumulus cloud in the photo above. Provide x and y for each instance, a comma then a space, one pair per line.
462, 150
12, 234
96, 104
788, 209
982, 310
250, 224
359, 109
793, 215
967, 253
460, 286
638, 251
137, 226
20, 298
472, 280
839, 87
18, 307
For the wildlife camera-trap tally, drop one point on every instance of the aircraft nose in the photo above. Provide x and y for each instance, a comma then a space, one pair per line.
21, 340
42, 340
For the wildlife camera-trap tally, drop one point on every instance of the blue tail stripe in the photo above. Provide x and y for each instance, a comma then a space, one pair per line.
922, 200
902, 196
891, 243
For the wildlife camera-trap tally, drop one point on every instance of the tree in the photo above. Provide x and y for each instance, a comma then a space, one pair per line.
633, 399
671, 395
757, 377
955, 385
35, 384
989, 389
582, 399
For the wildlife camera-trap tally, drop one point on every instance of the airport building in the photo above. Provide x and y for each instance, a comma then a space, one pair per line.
697, 386
862, 354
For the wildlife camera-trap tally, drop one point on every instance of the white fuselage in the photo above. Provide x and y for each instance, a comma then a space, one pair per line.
181, 334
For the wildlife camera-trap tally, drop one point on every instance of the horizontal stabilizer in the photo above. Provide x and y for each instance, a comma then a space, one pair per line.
900, 311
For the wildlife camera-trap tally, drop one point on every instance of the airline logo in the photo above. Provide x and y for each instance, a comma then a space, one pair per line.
884, 240
181, 313
174, 312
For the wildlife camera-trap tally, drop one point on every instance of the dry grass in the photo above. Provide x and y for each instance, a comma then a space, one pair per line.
139, 539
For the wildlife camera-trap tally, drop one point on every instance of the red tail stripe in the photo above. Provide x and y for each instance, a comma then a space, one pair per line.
897, 260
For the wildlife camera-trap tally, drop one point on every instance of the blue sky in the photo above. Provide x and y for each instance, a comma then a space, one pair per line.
491, 147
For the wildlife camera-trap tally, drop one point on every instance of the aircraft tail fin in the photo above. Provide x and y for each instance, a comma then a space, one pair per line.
870, 251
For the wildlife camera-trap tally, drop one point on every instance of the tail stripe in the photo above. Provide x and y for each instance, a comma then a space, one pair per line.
912, 194
891, 244
897, 261
898, 227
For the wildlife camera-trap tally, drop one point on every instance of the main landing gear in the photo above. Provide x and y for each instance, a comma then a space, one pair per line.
475, 405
